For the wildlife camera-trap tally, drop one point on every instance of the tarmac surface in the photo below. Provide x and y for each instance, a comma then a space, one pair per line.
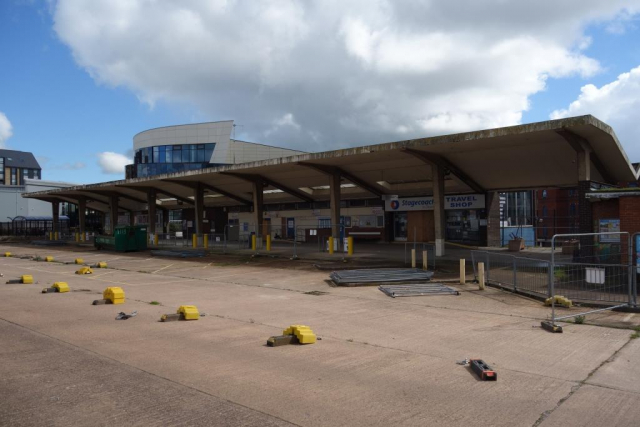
380, 361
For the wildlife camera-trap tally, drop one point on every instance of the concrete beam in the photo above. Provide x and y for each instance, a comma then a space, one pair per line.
333, 170
192, 184
435, 160
252, 178
115, 193
585, 156
158, 191
437, 176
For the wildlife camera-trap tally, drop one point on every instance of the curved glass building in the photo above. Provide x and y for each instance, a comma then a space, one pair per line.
186, 147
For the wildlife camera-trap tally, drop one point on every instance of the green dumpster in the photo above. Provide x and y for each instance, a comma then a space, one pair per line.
125, 239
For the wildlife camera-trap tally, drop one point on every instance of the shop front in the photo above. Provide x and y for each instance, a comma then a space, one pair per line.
465, 219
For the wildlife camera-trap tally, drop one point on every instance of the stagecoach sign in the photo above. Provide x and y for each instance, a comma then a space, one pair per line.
466, 201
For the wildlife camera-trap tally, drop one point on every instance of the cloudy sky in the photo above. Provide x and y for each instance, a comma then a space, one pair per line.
80, 77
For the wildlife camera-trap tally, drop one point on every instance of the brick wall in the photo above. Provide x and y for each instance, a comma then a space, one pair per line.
629, 214
605, 209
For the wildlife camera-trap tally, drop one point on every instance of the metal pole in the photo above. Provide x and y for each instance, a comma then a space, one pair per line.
515, 274
552, 281
630, 269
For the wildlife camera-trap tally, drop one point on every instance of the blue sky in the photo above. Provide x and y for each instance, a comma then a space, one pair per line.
67, 105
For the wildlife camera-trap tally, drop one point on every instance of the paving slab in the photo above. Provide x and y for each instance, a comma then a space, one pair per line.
596, 406
622, 372
47, 382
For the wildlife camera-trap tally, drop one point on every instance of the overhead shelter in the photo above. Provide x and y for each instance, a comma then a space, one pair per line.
558, 153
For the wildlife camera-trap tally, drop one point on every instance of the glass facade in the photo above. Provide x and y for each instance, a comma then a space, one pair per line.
185, 153
163, 159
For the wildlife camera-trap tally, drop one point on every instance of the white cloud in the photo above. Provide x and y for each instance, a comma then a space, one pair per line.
616, 103
113, 163
6, 129
354, 72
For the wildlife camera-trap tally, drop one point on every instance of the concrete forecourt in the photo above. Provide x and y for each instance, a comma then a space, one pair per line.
379, 361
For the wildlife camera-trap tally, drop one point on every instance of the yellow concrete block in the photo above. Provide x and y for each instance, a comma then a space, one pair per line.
61, 286
26, 279
559, 300
190, 312
79, 261
304, 333
85, 270
48, 258
115, 294
7, 254
101, 264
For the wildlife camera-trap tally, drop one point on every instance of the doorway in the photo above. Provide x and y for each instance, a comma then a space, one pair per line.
400, 226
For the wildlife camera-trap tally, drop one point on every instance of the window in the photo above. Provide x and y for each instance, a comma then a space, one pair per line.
177, 154
516, 208
14, 176
544, 194
324, 223
544, 212
1, 170
572, 209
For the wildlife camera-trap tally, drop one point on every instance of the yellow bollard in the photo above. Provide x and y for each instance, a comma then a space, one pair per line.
55, 235
424, 260
463, 271
205, 241
413, 258
51, 235
268, 242
77, 237
350, 244
481, 285
194, 239
331, 245
253, 242
155, 239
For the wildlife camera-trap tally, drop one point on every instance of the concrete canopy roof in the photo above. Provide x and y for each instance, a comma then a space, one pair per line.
527, 156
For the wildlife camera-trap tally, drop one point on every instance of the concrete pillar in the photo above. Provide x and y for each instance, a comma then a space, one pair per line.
151, 211
493, 219
165, 221
82, 211
437, 177
258, 205
198, 194
55, 216
113, 212
584, 206
334, 190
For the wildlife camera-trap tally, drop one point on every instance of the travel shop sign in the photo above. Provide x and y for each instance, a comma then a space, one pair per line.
467, 201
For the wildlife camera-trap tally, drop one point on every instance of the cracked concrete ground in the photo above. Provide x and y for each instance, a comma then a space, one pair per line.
381, 361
